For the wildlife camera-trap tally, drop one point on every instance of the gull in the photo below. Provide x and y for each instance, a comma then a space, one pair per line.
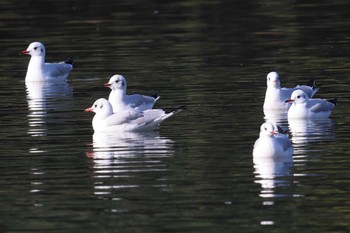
40, 71
127, 120
271, 143
121, 101
305, 108
276, 96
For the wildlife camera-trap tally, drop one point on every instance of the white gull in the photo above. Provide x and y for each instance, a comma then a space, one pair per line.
271, 143
127, 120
276, 96
40, 71
305, 108
121, 101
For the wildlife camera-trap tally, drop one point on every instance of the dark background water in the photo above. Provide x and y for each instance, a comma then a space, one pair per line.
196, 173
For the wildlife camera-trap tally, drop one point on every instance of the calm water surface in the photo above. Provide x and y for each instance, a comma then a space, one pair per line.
196, 173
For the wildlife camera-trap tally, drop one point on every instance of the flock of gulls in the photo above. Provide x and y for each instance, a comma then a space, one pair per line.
298, 103
121, 112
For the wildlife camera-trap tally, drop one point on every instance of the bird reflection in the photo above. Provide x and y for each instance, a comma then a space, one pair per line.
119, 158
275, 115
311, 130
128, 144
42, 96
271, 173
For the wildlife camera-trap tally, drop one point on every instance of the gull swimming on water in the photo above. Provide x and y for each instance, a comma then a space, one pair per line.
127, 120
271, 143
121, 101
276, 95
305, 108
39, 70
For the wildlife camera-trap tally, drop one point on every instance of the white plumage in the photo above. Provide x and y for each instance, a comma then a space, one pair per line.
127, 120
305, 108
271, 143
276, 96
121, 101
40, 71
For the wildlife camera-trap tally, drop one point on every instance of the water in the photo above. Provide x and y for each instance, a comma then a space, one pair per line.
196, 173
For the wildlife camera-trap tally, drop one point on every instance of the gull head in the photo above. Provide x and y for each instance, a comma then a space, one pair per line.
268, 129
273, 80
116, 82
35, 49
298, 97
101, 107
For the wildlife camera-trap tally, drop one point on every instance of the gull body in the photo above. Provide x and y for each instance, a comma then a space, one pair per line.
40, 71
271, 143
305, 108
127, 120
276, 95
121, 101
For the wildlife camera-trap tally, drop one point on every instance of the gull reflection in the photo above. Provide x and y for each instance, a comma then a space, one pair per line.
311, 130
120, 158
272, 172
275, 115
42, 96
128, 144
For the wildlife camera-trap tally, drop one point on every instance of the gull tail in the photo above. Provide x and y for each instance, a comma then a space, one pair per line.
69, 61
175, 110
333, 101
155, 95
312, 84
171, 111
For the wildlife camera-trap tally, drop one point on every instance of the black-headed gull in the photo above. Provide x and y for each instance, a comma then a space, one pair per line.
271, 143
276, 96
305, 108
127, 120
121, 101
40, 71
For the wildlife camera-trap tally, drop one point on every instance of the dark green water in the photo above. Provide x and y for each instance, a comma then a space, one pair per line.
195, 174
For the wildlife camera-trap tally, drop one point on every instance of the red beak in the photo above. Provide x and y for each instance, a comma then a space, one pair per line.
107, 85
289, 101
89, 110
24, 52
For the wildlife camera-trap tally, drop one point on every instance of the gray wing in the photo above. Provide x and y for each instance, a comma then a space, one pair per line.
310, 91
141, 102
320, 105
286, 93
123, 117
58, 69
285, 142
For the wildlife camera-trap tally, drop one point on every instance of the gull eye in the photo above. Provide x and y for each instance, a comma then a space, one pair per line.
101, 106
35, 48
116, 81
265, 128
298, 96
95, 106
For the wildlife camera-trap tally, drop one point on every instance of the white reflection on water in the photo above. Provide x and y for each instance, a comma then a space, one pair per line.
311, 130
271, 173
275, 115
42, 96
110, 146
119, 158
